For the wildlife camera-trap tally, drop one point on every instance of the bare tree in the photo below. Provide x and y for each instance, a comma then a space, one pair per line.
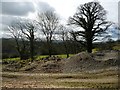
64, 35
24, 30
15, 29
29, 31
48, 22
91, 19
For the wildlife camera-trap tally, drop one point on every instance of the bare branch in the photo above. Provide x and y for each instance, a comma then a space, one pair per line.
92, 18
48, 22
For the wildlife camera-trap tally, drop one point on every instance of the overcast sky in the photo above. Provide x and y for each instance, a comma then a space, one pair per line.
14, 9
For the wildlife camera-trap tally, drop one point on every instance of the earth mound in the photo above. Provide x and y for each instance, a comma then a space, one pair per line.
84, 61
80, 62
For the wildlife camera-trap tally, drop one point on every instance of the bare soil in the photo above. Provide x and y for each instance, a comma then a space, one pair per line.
84, 70
106, 79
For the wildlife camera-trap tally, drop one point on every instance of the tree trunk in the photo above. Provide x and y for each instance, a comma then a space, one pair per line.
89, 45
66, 49
21, 56
67, 52
31, 49
67, 55
50, 52
49, 48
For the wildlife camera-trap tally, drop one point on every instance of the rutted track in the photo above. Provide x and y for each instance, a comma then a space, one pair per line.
60, 80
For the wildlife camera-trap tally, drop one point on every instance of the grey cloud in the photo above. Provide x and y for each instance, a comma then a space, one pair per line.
4, 29
43, 6
13, 11
6, 20
119, 13
17, 8
0, 7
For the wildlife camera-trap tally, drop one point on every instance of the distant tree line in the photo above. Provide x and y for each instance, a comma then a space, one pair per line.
9, 50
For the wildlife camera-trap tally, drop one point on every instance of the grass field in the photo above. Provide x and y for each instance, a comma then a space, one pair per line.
61, 56
38, 57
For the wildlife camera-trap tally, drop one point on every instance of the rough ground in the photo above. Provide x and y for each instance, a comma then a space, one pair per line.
83, 70
106, 79
91, 62
78, 63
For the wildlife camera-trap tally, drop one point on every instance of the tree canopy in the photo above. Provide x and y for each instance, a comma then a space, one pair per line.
91, 18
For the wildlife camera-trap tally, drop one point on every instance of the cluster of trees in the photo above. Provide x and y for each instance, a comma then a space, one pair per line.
9, 49
90, 18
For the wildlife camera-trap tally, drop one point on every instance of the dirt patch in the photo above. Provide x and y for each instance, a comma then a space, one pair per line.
80, 62
107, 55
51, 67
82, 70
61, 80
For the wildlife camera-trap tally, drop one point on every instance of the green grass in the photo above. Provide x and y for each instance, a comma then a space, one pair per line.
12, 59
61, 56
39, 57
64, 55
